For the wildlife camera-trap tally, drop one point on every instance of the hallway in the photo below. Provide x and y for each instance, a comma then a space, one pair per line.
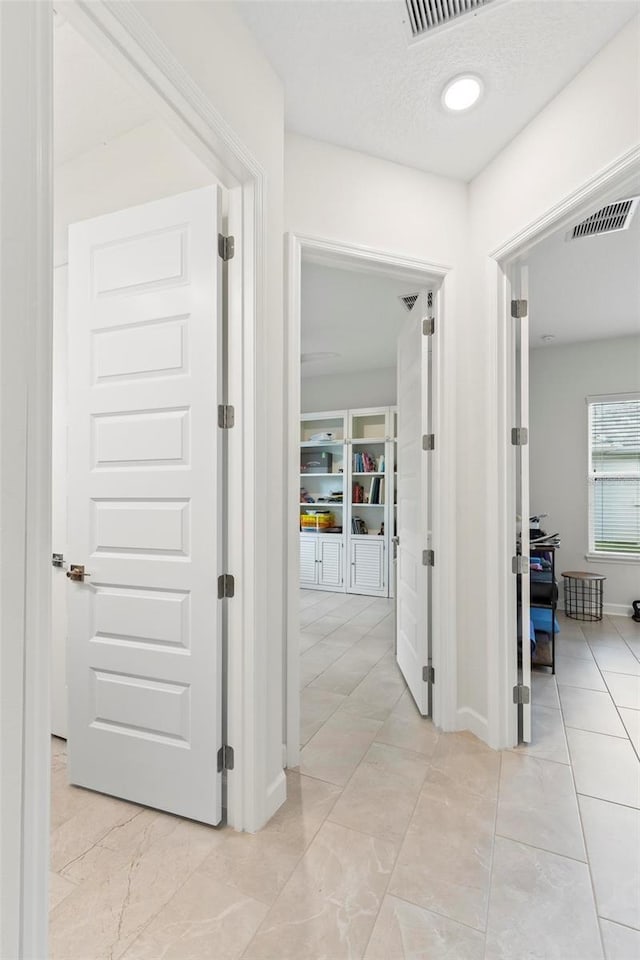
395, 841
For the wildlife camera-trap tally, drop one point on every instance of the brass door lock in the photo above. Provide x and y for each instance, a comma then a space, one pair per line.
77, 572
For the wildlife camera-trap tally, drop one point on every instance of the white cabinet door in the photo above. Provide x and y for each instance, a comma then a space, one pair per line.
412, 595
308, 558
144, 518
367, 565
330, 552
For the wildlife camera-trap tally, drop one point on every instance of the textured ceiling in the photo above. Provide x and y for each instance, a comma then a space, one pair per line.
357, 315
586, 289
92, 104
351, 77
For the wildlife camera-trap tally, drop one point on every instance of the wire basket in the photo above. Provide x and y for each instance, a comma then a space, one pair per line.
583, 596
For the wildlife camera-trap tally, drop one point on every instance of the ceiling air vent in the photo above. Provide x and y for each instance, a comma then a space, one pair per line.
610, 219
410, 301
426, 16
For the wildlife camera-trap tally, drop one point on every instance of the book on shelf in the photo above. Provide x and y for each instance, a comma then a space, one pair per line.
376, 491
358, 526
365, 463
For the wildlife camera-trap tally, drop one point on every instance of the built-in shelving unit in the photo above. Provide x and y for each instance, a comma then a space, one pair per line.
347, 500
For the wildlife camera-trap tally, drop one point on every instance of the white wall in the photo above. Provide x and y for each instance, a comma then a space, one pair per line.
351, 197
147, 163
561, 377
341, 195
339, 391
222, 57
593, 122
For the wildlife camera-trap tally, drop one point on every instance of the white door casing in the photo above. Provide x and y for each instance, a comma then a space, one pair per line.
520, 340
144, 658
59, 696
413, 533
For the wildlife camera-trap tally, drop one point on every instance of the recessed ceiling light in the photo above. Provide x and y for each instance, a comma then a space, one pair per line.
321, 355
462, 92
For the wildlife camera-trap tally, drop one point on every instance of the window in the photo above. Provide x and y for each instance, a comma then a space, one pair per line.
614, 475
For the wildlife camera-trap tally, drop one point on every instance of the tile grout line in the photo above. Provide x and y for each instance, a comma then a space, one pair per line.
582, 830
493, 853
395, 859
341, 788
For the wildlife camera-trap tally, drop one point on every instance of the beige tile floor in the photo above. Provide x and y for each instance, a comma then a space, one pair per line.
396, 841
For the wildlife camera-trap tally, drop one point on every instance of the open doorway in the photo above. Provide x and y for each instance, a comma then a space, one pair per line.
139, 381
363, 475
576, 456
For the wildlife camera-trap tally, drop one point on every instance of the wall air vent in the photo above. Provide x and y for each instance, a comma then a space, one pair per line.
425, 16
610, 219
410, 301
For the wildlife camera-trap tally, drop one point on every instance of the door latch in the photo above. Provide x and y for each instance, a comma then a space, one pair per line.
77, 572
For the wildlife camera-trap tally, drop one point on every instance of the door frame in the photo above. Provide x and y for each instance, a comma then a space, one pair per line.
599, 190
121, 34
299, 247
123, 37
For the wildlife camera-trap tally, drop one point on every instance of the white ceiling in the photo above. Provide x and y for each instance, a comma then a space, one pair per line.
92, 104
355, 314
586, 289
352, 78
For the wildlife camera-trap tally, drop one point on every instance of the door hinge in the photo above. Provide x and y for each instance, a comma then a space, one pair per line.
520, 565
428, 326
519, 436
429, 441
521, 694
226, 416
226, 586
519, 309
226, 758
428, 558
226, 247
428, 675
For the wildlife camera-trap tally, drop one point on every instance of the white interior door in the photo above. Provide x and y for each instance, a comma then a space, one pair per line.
144, 492
413, 641
520, 290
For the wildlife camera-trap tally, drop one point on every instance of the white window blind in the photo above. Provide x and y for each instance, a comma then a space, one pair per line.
614, 475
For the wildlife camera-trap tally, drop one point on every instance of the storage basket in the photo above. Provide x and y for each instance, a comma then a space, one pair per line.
317, 521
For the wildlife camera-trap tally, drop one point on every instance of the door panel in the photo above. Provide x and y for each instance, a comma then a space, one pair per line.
308, 557
330, 556
367, 565
413, 533
144, 481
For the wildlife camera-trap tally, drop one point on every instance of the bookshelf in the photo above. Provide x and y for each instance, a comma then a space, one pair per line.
347, 493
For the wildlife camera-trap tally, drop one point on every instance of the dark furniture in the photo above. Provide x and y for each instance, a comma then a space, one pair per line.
543, 596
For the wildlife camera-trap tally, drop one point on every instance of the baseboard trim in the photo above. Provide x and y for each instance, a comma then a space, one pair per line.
276, 794
469, 719
617, 610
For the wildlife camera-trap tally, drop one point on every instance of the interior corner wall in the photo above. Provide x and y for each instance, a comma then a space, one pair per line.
561, 378
349, 391
213, 45
592, 123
